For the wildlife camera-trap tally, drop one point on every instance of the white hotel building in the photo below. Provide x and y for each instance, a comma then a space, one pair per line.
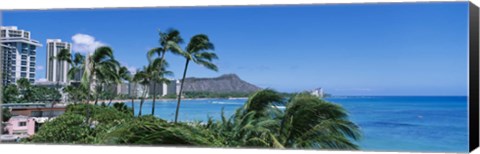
18, 53
56, 70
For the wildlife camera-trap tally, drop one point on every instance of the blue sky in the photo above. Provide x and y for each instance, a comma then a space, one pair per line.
348, 49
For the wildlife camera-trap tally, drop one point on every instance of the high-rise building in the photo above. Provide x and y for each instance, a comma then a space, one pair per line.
163, 89
18, 54
56, 70
6, 63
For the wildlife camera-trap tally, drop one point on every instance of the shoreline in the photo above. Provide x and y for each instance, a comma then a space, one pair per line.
159, 99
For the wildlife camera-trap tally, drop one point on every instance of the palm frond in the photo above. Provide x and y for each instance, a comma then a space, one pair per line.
152, 52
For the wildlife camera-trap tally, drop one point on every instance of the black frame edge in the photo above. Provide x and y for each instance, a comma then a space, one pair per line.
474, 64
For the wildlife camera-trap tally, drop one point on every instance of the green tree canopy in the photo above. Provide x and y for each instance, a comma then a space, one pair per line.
6, 114
10, 94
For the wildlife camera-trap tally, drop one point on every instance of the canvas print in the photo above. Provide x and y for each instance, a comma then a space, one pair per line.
370, 77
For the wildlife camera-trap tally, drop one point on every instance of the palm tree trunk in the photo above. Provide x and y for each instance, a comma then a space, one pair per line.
88, 95
74, 100
154, 84
96, 99
154, 95
141, 105
97, 94
181, 90
133, 106
133, 97
141, 101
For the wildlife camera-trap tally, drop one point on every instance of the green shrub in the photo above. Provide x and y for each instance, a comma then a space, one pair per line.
148, 130
67, 128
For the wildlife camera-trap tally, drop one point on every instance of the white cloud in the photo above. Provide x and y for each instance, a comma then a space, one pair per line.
84, 43
40, 67
132, 69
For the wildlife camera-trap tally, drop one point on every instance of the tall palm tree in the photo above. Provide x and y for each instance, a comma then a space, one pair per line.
124, 75
142, 77
77, 64
166, 40
63, 55
105, 79
101, 64
157, 71
195, 51
172, 36
134, 79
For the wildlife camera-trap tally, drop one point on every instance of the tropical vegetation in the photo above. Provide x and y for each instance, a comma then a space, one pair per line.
268, 119
307, 122
197, 52
27, 93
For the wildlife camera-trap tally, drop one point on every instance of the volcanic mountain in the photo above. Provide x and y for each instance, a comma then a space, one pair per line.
227, 83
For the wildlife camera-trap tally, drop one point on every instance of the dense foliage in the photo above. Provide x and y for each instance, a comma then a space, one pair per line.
74, 127
148, 130
41, 94
29, 93
306, 122
10, 94
68, 128
6, 114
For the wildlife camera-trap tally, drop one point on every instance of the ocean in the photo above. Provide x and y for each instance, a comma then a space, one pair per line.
388, 123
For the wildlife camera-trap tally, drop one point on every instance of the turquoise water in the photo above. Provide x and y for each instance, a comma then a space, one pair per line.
417, 124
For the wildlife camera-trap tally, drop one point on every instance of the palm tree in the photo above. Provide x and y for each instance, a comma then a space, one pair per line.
143, 78
172, 36
195, 51
63, 56
77, 64
310, 122
306, 122
134, 80
124, 75
100, 66
157, 71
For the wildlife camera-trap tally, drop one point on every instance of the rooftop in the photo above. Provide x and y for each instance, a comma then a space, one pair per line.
20, 117
22, 104
21, 39
56, 41
9, 27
